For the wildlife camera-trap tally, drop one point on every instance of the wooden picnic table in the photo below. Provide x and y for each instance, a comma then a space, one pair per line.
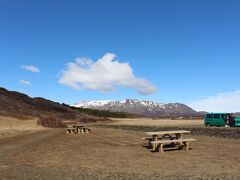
176, 134
160, 138
77, 129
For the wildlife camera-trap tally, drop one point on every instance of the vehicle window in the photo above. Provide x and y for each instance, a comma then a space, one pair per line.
209, 116
216, 116
223, 116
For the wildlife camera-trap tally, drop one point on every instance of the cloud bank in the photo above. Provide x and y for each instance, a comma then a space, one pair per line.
103, 75
222, 102
30, 68
24, 82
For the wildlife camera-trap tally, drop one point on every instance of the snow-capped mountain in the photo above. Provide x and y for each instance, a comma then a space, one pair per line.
140, 107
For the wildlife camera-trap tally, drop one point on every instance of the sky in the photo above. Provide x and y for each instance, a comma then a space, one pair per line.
159, 50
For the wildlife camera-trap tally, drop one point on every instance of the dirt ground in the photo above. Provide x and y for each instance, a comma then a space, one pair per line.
113, 154
156, 122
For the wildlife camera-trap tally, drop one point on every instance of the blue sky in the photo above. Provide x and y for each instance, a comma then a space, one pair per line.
166, 51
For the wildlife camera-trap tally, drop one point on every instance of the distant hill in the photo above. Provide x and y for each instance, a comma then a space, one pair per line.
140, 107
104, 113
19, 105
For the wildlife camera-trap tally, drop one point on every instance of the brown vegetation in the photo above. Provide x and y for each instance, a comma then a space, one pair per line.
159, 122
12, 127
114, 154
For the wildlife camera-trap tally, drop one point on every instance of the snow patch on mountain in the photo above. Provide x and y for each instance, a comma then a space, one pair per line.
88, 104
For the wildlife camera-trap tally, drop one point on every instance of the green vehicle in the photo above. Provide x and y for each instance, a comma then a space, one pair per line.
221, 119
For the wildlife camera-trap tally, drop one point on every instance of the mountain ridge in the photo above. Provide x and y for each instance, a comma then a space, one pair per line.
140, 107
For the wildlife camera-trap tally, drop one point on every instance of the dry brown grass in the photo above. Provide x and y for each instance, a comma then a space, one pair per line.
11, 127
114, 154
160, 122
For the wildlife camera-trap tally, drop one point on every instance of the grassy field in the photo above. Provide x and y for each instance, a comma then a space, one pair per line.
11, 127
158, 122
114, 153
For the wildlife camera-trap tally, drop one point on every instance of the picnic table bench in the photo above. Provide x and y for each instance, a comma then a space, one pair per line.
179, 143
71, 130
157, 140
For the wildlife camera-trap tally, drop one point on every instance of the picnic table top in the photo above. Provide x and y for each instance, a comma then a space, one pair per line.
167, 132
78, 125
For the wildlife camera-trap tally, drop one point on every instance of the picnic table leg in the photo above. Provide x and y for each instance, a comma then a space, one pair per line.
161, 148
86, 130
186, 144
179, 136
154, 138
149, 143
154, 146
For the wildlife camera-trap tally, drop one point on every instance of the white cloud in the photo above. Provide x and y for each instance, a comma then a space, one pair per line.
103, 75
25, 82
222, 102
30, 68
